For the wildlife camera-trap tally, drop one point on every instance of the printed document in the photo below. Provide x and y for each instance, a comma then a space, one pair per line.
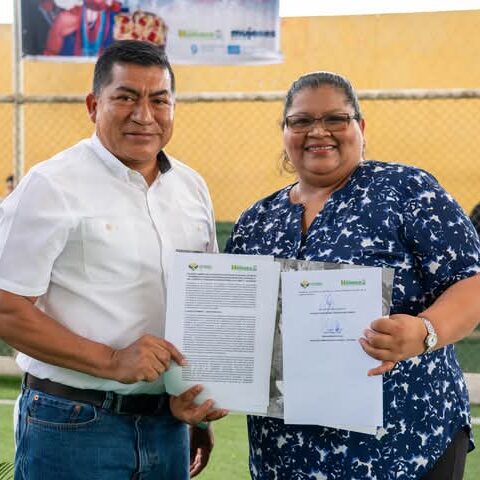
325, 378
221, 316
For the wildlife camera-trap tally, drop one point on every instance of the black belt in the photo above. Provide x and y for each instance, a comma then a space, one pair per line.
111, 401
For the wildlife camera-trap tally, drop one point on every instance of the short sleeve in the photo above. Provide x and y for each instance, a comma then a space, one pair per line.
440, 235
212, 246
34, 226
236, 240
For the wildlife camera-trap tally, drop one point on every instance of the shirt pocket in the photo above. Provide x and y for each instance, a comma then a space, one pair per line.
194, 236
110, 249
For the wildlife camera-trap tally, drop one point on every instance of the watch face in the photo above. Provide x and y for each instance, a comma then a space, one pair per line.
431, 340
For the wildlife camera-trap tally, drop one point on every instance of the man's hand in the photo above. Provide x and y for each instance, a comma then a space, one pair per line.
394, 338
145, 359
185, 410
201, 445
201, 439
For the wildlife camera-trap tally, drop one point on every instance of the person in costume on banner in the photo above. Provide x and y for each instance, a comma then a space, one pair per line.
84, 29
346, 209
88, 238
37, 19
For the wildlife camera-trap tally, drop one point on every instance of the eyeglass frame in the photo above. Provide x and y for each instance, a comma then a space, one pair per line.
346, 116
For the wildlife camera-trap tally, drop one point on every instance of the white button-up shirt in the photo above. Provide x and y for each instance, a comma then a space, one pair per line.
88, 237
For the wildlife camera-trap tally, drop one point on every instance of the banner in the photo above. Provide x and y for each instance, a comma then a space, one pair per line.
190, 31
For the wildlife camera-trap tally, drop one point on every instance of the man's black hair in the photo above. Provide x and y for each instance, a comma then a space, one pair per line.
134, 52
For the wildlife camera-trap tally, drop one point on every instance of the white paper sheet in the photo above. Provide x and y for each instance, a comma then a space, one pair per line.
325, 369
220, 315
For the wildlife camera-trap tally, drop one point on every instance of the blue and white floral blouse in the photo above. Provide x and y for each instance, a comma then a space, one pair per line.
386, 215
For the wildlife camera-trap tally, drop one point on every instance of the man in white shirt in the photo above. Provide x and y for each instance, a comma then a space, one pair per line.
86, 242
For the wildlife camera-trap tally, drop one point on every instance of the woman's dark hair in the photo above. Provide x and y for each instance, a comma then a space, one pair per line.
475, 217
134, 52
315, 80
319, 79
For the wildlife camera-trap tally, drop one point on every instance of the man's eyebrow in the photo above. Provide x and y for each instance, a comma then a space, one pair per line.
121, 88
160, 93
157, 93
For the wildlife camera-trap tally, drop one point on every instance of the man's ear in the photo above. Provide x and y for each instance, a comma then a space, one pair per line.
91, 102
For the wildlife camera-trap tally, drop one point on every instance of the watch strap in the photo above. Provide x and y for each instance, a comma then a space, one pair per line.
430, 340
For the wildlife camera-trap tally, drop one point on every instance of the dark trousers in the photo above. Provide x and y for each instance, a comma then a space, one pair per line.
451, 465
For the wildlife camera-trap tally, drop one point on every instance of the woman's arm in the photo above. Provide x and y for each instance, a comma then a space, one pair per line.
454, 315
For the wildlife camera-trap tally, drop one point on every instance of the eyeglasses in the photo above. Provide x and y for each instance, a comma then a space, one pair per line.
335, 122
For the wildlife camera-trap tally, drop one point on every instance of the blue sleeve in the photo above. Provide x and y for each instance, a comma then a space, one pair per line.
236, 242
440, 235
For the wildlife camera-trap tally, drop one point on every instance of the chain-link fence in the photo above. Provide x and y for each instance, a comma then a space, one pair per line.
234, 141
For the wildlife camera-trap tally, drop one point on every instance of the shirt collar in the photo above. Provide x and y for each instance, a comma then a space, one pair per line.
120, 169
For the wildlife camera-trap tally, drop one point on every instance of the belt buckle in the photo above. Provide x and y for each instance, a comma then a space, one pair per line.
121, 406
162, 403
129, 405
117, 404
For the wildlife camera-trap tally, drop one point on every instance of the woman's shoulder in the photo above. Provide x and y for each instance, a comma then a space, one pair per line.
378, 167
264, 206
399, 175
257, 219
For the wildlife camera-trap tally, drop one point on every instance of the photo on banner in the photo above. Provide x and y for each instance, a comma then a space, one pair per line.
190, 31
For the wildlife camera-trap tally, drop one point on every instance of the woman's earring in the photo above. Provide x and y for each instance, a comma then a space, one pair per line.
287, 165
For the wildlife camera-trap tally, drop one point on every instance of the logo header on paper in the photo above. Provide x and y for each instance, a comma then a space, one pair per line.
244, 268
195, 266
352, 283
306, 284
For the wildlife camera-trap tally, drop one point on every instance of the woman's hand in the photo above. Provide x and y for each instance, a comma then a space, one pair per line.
394, 338
185, 410
454, 314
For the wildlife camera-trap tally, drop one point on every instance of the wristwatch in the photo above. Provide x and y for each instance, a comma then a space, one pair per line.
431, 339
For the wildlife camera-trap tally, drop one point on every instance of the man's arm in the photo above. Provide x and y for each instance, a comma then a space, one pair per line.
201, 446
29, 330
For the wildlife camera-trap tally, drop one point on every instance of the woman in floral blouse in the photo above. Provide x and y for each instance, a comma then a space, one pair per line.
348, 210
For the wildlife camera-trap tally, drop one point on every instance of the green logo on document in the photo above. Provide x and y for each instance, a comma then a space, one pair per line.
352, 283
244, 268
193, 266
304, 283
